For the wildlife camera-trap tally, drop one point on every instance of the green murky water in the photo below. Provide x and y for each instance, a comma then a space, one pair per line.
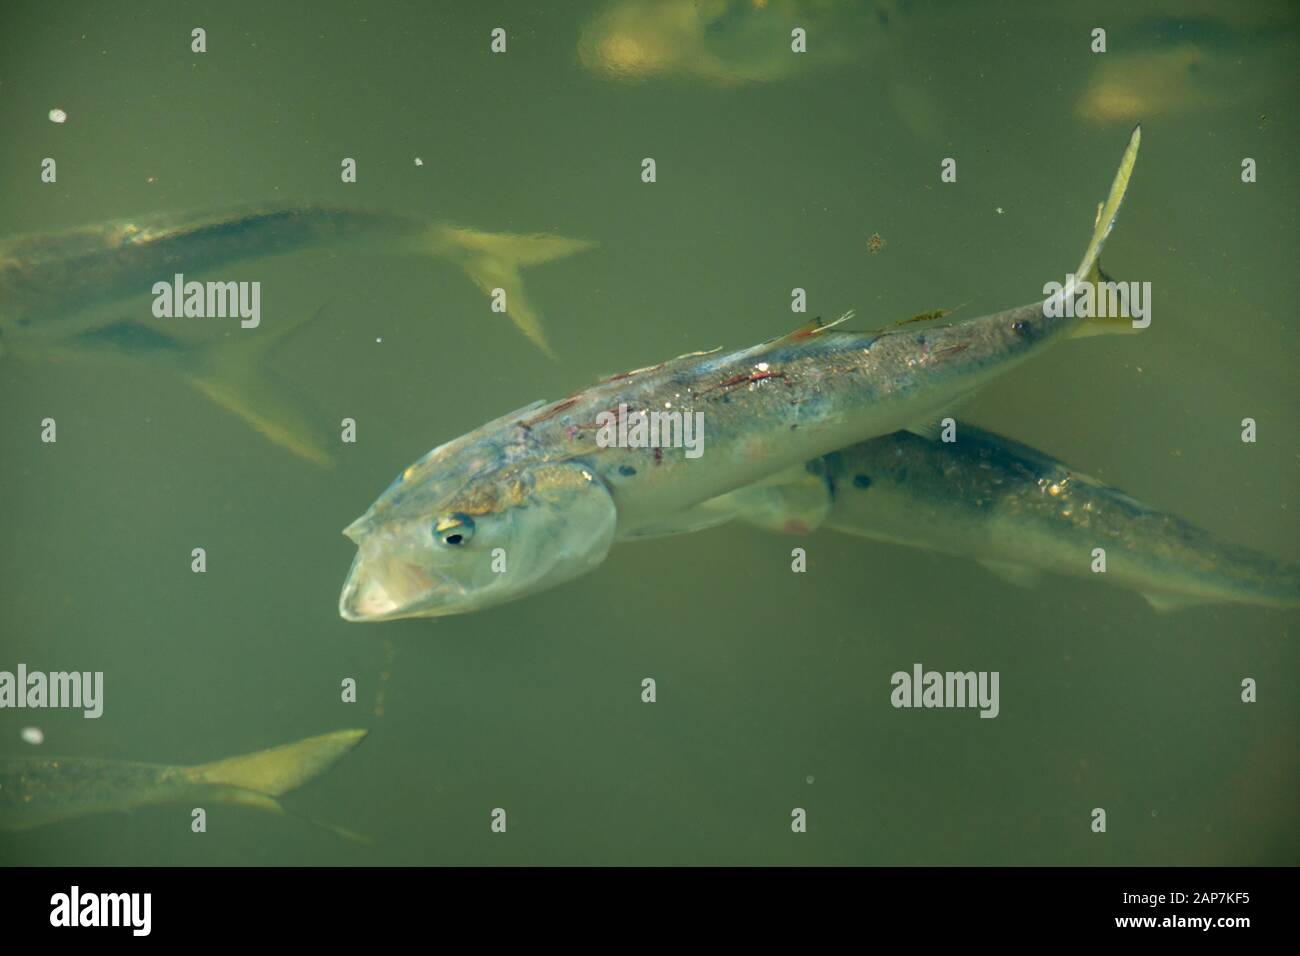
773, 171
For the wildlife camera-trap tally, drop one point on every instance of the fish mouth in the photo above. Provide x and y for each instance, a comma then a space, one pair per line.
385, 588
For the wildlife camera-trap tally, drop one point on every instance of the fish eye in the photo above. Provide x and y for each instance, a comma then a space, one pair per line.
454, 530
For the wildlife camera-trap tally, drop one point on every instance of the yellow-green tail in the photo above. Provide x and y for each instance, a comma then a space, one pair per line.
493, 260
278, 770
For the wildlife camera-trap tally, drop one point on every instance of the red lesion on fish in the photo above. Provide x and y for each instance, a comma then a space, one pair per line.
550, 412
741, 379
950, 350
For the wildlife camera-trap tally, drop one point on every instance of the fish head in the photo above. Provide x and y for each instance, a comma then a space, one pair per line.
442, 543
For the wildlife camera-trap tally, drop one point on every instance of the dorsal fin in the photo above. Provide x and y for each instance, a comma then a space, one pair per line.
812, 327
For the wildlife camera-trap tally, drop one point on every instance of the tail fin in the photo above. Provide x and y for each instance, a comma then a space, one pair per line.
1110, 209
233, 375
257, 779
274, 772
493, 261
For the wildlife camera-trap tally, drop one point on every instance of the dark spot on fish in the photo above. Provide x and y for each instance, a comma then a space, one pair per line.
920, 340
861, 481
815, 467
1020, 327
626, 470
659, 455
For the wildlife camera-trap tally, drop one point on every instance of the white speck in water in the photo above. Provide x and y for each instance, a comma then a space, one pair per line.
1000, 210
419, 161
58, 116
809, 779
379, 339
33, 736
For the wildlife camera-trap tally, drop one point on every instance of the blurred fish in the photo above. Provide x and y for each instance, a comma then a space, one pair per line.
1016, 511
1192, 62
35, 791
538, 497
726, 42
51, 282
60, 294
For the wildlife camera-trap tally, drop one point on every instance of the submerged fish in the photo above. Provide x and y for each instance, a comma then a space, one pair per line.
539, 496
38, 790
58, 292
1018, 512
726, 42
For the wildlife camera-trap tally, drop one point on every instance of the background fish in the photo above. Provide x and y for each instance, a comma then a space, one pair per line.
1018, 512
61, 294
38, 790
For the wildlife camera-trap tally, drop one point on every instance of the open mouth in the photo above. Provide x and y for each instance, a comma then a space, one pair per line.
383, 590
388, 588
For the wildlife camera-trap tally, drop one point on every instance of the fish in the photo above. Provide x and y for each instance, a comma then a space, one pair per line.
1192, 62
37, 791
61, 293
1017, 511
538, 497
48, 281
739, 44
725, 42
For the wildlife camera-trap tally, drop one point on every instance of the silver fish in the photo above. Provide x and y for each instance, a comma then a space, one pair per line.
35, 791
536, 497
1016, 511
60, 294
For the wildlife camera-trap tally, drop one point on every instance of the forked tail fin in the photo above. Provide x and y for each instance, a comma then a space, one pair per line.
493, 261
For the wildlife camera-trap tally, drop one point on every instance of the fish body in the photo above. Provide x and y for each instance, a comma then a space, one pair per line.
47, 278
35, 791
61, 295
545, 491
1017, 511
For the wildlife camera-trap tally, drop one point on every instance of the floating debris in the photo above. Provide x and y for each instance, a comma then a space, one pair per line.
33, 735
58, 116
875, 243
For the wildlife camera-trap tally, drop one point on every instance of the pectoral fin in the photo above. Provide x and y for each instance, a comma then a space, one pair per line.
234, 375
